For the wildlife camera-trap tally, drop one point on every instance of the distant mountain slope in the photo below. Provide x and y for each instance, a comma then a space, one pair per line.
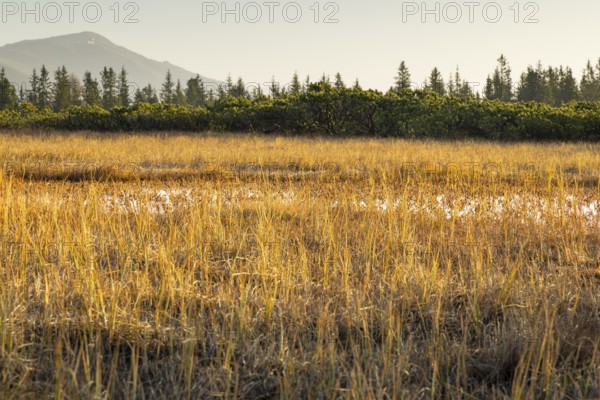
86, 51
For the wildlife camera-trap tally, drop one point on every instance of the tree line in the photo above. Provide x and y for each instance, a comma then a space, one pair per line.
60, 90
325, 109
548, 85
63, 90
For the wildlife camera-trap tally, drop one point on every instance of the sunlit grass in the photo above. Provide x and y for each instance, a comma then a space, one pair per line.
270, 267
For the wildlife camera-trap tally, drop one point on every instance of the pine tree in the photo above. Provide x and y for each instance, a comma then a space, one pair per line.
296, 87
8, 93
179, 95
221, 93
76, 90
44, 88
488, 91
465, 91
462, 88
211, 97
504, 90
33, 95
229, 87
274, 89
61, 90
590, 84
499, 86
123, 88
436, 82
91, 90
451, 86
22, 93
108, 79
239, 89
195, 92
339, 83
257, 93
567, 86
457, 82
531, 86
167, 94
402, 79
146, 95
551, 86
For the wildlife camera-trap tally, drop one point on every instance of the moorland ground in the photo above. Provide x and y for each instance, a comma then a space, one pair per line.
241, 266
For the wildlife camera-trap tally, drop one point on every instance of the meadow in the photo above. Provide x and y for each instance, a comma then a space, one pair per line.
240, 266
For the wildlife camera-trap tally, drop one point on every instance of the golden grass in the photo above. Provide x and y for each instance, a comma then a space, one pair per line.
235, 266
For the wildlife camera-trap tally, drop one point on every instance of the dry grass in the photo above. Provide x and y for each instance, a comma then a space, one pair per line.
268, 267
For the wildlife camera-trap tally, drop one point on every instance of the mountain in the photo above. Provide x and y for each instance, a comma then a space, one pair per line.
86, 51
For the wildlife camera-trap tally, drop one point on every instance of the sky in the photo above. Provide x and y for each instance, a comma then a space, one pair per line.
260, 40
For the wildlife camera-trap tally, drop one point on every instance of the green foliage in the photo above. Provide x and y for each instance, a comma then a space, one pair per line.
91, 90
8, 93
61, 89
325, 109
195, 92
110, 96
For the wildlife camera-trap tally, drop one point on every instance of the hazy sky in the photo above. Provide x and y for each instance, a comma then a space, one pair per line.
365, 40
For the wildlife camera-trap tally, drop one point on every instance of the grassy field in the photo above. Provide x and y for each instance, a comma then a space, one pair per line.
233, 267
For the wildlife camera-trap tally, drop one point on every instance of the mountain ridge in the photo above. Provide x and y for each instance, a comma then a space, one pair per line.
87, 51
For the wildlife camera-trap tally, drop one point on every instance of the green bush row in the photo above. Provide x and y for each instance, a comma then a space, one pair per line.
330, 111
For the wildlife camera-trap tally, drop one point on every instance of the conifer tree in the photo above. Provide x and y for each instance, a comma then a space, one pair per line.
239, 89
76, 90
402, 79
590, 84
22, 93
221, 93
436, 82
257, 93
296, 87
33, 95
499, 85
551, 86
44, 88
567, 85
531, 86
488, 91
91, 90
195, 92
229, 87
211, 97
108, 79
60, 89
167, 93
123, 88
8, 93
179, 95
274, 90
462, 88
146, 95
339, 82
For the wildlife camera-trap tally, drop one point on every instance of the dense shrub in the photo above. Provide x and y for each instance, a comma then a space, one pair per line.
324, 109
